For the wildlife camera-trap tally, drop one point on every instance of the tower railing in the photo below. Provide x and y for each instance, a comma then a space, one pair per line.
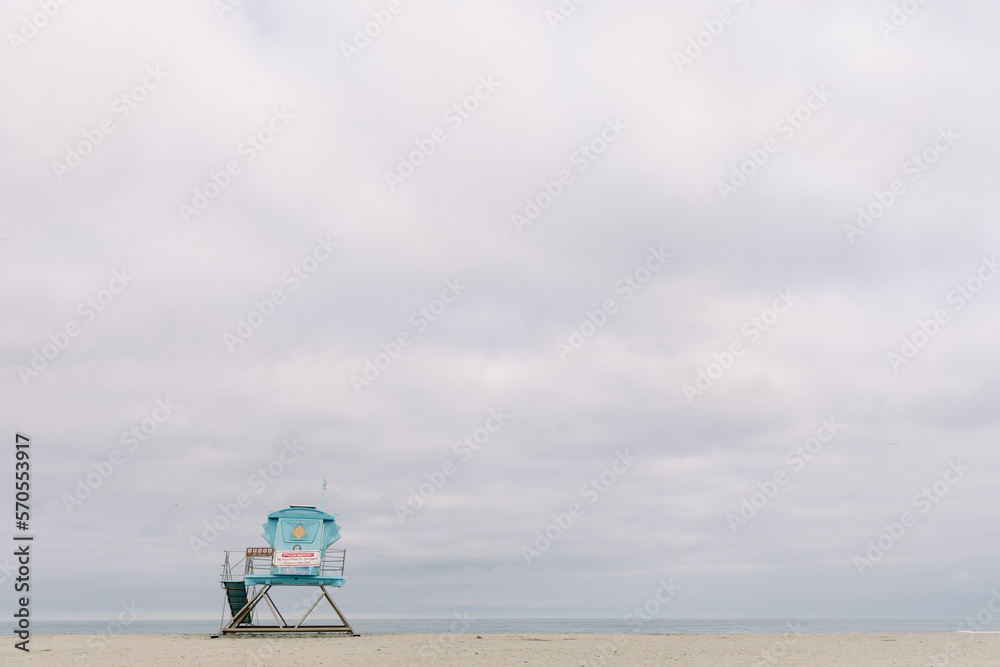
228, 566
332, 564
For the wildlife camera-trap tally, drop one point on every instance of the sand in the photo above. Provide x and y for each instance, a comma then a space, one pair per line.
799, 650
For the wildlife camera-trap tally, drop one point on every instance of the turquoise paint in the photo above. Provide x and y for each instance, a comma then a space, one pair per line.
281, 530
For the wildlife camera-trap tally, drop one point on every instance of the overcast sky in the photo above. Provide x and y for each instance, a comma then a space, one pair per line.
627, 245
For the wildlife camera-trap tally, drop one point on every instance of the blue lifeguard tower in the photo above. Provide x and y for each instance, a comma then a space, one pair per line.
298, 554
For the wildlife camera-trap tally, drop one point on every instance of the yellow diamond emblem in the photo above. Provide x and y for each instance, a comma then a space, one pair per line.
299, 532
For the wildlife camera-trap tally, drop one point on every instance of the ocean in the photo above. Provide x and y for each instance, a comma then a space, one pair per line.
531, 626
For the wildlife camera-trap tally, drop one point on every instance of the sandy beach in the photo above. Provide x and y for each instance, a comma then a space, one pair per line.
804, 650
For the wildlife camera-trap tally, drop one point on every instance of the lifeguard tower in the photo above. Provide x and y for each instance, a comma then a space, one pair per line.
298, 555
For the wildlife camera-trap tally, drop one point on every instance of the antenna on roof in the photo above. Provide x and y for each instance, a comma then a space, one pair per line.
322, 494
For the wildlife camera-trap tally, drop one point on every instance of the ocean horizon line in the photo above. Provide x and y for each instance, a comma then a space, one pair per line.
208, 616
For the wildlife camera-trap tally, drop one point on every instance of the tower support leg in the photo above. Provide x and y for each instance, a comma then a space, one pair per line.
236, 625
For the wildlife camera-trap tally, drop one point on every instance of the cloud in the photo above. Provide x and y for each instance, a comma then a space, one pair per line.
324, 176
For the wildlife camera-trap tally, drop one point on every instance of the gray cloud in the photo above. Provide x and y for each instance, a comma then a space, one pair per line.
324, 176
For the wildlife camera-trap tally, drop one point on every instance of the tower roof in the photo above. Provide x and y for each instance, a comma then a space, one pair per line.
301, 512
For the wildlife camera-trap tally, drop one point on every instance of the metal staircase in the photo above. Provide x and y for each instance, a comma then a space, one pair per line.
236, 595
